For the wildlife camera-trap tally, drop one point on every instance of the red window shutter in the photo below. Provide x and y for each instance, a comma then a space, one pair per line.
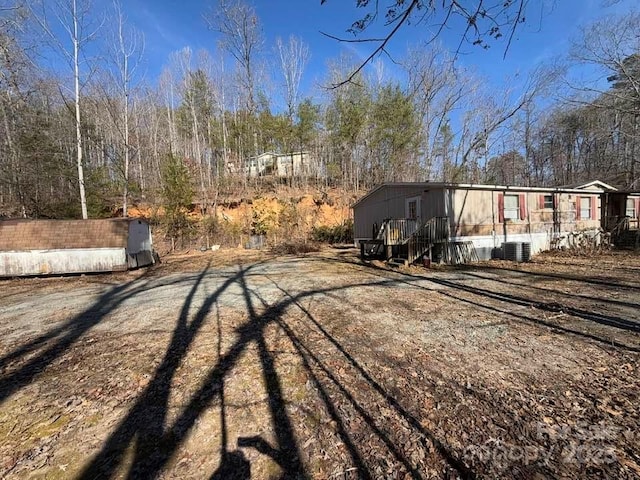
577, 208
637, 207
594, 208
523, 210
541, 202
501, 207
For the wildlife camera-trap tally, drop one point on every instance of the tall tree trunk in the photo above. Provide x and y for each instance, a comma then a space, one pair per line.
76, 77
198, 152
125, 190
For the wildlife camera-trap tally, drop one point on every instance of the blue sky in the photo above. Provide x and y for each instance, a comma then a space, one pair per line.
170, 25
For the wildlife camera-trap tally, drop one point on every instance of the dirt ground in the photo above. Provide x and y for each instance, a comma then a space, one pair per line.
235, 365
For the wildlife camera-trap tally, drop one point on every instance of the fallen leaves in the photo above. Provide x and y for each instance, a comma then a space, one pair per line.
401, 381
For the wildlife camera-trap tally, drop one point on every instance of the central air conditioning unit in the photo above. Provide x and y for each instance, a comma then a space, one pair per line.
517, 251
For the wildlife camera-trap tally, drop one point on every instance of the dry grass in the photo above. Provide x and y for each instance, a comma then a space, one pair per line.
295, 248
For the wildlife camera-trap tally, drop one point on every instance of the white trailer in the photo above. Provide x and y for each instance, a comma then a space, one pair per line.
54, 247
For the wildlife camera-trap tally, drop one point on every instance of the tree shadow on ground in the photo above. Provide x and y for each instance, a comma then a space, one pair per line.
27, 361
599, 280
524, 283
309, 357
483, 295
153, 441
616, 321
144, 428
601, 318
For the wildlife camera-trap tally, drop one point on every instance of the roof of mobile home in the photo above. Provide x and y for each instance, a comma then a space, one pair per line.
22, 235
595, 187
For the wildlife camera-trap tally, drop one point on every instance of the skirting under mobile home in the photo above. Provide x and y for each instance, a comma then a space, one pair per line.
55, 247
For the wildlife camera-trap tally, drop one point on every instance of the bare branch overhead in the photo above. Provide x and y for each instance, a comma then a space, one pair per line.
479, 22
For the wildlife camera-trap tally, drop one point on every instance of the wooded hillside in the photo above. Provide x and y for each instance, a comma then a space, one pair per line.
82, 127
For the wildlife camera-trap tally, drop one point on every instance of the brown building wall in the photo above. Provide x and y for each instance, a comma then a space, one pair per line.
433, 203
25, 235
476, 212
387, 202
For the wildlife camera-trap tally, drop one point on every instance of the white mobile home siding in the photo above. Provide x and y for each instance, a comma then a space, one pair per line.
475, 213
433, 204
57, 262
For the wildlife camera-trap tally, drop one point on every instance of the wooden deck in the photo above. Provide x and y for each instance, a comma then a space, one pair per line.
407, 239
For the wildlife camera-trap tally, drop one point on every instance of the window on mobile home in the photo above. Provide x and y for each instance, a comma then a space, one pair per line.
548, 201
631, 208
511, 207
413, 209
585, 208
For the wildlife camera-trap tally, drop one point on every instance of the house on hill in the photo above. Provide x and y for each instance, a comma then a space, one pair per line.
288, 165
50, 247
476, 221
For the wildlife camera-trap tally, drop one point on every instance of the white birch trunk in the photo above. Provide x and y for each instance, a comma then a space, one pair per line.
76, 78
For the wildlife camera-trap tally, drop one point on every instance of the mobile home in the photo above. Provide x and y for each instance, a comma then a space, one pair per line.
485, 217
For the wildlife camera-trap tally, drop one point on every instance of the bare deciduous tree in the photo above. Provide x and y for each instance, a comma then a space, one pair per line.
241, 36
438, 87
612, 45
478, 21
127, 48
293, 56
69, 33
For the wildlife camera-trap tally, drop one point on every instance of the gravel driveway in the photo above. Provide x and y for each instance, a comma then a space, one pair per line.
323, 367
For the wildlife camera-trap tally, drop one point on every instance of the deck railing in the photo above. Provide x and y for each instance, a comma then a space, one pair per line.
435, 230
419, 239
396, 231
620, 226
621, 223
616, 222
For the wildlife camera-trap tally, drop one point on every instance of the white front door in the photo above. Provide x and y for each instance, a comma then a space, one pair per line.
412, 208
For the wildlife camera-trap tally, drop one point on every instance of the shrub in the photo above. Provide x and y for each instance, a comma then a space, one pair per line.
177, 196
342, 233
295, 248
181, 228
229, 233
264, 219
209, 225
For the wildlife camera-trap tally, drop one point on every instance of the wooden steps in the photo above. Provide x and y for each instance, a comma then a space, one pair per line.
398, 262
403, 242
